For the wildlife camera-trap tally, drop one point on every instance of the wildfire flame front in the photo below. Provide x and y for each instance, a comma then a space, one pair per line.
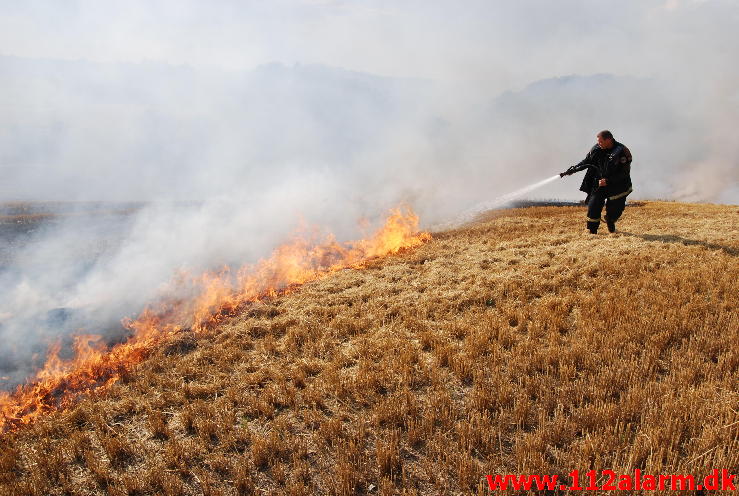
213, 297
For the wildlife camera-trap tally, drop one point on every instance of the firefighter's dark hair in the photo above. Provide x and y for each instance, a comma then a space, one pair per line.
605, 134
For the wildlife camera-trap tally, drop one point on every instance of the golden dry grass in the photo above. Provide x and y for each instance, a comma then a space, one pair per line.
517, 344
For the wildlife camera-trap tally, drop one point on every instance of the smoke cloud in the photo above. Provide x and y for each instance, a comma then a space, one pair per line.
188, 135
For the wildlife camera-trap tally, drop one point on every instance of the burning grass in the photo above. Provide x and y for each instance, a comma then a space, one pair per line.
198, 303
517, 344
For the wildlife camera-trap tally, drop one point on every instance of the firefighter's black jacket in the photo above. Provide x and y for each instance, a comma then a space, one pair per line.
613, 165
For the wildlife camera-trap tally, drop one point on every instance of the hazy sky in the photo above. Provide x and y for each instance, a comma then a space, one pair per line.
132, 123
501, 44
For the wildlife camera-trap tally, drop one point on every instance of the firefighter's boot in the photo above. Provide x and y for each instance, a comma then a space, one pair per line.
610, 223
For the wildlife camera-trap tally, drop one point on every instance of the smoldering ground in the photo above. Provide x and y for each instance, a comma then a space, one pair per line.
232, 123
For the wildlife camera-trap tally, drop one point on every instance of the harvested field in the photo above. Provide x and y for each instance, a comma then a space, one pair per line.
516, 344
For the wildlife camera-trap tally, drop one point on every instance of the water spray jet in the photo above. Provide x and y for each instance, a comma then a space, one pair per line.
498, 202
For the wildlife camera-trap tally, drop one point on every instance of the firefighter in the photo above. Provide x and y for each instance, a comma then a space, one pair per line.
607, 181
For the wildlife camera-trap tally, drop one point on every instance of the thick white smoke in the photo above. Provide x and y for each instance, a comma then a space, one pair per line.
231, 122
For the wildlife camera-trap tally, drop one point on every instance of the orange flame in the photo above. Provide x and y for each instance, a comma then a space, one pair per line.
216, 295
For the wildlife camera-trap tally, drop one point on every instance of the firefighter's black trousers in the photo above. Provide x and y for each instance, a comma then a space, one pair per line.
596, 200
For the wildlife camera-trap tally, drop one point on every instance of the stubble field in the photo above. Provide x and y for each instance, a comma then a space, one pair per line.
516, 344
